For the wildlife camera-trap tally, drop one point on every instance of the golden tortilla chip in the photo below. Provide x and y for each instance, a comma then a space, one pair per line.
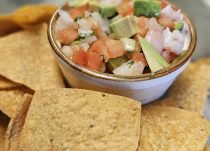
16, 124
7, 25
33, 14
172, 129
27, 15
6, 84
9, 100
4, 121
26, 58
206, 148
72, 119
190, 90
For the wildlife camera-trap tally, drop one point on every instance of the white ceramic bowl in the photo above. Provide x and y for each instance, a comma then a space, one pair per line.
146, 88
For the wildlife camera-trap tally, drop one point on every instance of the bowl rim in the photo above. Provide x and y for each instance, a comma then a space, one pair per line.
112, 77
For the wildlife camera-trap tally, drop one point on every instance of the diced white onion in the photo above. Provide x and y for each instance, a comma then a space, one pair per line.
126, 69
83, 24
89, 40
85, 46
103, 22
67, 51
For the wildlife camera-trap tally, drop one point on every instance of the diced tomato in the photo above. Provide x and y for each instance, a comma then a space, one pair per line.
125, 8
80, 57
169, 56
94, 60
77, 12
164, 3
139, 57
115, 48
100, 47
166, 22
66, 36
142, 23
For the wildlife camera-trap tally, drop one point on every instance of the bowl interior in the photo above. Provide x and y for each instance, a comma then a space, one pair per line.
190, 43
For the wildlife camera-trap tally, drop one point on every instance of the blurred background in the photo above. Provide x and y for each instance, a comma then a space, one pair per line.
198, 10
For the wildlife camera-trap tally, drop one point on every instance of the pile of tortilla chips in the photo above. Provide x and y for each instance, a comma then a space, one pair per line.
37, 113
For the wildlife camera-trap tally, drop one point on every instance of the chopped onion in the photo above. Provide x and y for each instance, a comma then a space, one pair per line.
89, 40
130, 68
85, 46
67, 51
103, 22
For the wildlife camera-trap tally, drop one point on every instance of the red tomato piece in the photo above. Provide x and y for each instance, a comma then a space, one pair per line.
100, 47
166, 22
142, 23
94, 60
125, 8
77, 12
139, 57
80, 57
164, 3
115, 48
66, 36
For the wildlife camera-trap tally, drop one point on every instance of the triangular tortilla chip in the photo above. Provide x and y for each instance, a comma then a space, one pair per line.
190, 90
71, 119
33, 14
6, 84
9, 100
26, 58
4, 121
172, 129
8, 26
16, 124
25, 16
207, 148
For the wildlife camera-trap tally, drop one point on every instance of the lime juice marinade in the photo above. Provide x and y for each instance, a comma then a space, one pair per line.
122, 37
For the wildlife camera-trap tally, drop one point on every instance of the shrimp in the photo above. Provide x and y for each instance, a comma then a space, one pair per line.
156, 39
173, 41
172, 14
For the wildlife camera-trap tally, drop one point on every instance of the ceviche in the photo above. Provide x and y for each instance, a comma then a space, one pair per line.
122, 37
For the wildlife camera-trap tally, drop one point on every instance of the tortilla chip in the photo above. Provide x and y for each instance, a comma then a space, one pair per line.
34, 64
4, 121
72, 119
16, 124
167, 129
206, 148
7, 25
9, 100
190, 90
25, 16
33, 14
6, 84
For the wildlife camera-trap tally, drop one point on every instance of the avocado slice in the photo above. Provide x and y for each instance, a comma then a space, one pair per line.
125, 27
105, 9
116, 62
155, 60
178, 26
148, 8
129, 44
78, 3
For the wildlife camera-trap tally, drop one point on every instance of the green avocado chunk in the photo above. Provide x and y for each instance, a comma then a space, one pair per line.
178, 26
155, 60
148, 8
116, 62
125, 27
129, 44
78, 3
105, 9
